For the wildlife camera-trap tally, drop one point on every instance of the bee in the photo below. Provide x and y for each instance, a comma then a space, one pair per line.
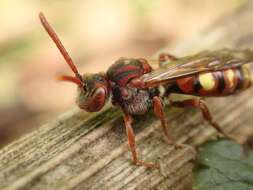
135, 87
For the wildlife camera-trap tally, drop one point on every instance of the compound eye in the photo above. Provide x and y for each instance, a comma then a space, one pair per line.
97, 100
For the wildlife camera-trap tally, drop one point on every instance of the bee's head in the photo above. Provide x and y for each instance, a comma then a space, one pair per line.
93, 89
93, 95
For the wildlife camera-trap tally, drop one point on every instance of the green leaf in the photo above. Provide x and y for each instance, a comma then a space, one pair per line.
221, 166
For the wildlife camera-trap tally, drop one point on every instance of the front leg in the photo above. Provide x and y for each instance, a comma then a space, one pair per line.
131, 142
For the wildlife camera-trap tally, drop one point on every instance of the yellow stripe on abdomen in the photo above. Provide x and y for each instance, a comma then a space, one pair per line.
207, 81
246, 77
230, 74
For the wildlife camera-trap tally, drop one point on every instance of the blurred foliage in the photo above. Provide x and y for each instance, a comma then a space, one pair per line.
16, 49
144, 7
221, 166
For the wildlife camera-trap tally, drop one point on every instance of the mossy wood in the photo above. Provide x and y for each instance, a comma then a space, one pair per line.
89, 151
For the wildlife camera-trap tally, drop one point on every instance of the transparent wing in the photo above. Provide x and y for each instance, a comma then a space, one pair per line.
205, 61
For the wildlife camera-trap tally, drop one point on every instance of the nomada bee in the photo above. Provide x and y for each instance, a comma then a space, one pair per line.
136, 88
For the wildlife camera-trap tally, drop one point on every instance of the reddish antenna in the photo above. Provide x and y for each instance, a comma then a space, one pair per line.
59, 45
70, 79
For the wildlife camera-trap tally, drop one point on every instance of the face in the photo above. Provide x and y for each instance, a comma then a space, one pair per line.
93, 95
92, 89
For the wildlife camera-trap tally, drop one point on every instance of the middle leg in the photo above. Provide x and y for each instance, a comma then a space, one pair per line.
159, 112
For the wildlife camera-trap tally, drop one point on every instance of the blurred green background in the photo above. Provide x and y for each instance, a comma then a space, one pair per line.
95, 33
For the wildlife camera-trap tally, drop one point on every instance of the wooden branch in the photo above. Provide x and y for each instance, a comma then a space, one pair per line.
89, 151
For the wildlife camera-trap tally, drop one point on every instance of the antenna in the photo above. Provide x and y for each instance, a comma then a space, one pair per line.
59, 45
70, 79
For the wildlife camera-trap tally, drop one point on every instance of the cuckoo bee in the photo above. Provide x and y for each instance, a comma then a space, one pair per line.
135, 87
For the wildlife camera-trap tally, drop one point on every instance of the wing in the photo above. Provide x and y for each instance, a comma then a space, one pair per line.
205, 61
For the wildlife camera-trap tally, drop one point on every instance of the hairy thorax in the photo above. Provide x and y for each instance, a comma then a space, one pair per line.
134, 101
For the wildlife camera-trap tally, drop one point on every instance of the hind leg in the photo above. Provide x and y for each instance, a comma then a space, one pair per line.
200, 104
163, 57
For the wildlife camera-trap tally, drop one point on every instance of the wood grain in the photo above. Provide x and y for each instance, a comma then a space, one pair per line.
89, 151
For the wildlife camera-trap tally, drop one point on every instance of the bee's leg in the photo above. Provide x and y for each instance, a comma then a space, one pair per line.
163, 57
131, 142
159, 112
166, 57
197, 103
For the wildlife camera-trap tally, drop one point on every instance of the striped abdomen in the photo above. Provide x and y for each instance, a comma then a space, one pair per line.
217, 83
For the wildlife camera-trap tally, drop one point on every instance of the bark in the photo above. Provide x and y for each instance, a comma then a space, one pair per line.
89, 151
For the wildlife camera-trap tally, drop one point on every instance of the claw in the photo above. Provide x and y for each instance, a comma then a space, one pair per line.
147, 164
181, 145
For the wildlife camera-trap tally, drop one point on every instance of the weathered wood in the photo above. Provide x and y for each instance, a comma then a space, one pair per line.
89, 151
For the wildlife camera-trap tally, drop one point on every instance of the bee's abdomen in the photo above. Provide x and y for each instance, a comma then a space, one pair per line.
217, 83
